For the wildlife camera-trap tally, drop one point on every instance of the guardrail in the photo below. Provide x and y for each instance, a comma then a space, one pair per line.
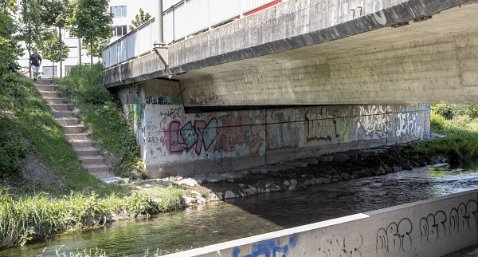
181, 18
188, 17
136, 43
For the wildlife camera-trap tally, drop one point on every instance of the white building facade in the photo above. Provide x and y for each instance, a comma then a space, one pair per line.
123, 11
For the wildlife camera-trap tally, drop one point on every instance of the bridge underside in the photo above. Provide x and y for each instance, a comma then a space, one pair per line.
431, 61
370, 89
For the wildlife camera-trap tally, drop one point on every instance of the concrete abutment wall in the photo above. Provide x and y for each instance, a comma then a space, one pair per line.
174, 142
429, 228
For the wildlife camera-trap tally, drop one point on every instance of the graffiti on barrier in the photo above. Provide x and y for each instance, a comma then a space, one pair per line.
341, 246
395, 238
433, 226
269, 248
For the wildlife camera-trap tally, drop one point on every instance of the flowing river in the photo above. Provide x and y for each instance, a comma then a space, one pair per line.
223, 221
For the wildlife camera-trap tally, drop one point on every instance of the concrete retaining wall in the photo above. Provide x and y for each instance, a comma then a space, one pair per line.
430, 228
174, 142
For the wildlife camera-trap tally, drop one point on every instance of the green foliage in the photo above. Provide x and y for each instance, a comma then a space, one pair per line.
437, 122
91, 22
53, 48
12, 150
9, 49
108, 126
41, 216
460, 145
97, 45
85, 84
139, 19
55, 13
443, 110
32, 25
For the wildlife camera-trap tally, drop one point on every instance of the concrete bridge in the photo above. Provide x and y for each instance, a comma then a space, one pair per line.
299, 78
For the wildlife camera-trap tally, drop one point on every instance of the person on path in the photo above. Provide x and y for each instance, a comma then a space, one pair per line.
35, 62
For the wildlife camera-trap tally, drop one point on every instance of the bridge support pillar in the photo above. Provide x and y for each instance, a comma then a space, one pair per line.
176, 142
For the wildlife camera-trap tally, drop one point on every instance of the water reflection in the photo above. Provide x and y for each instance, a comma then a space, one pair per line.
219, 222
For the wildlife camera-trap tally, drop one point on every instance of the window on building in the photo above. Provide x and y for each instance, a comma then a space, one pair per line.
119, 31
118, 11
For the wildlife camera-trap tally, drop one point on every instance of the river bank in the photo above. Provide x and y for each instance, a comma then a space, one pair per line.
221, 221
300, 174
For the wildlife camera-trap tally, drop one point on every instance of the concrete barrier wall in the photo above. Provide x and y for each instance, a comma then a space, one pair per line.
174, 142
429, 228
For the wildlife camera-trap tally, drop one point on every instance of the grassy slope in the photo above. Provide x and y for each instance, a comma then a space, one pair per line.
31, 211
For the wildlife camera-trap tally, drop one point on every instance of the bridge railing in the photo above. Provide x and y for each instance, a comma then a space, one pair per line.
136, 43
181, 18
187, 17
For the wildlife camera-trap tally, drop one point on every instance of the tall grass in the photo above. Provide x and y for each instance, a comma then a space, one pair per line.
41, 216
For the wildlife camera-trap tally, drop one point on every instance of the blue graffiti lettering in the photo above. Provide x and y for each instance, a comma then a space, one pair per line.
269, 248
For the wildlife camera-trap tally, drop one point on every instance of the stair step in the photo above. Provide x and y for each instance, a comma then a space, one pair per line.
81, 143
47, 87
51, 94
68, 121
59, 107
70, 129
64, 114
78, 136
86, 151
55, 100
44, 82
92, 160
97, 168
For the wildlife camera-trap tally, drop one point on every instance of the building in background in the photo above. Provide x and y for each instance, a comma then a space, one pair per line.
123, 11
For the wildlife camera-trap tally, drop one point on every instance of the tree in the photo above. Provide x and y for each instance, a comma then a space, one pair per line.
56, 13
91, 22
9, 49
96, 49
139, 19
53, 48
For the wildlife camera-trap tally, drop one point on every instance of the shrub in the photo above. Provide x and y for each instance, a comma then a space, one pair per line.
85, 84
443, 110
437, 122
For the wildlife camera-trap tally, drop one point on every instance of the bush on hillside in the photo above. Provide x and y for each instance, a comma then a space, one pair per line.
84, 83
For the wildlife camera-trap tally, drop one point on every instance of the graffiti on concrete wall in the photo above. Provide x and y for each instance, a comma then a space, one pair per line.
374, 120
269, 248
341, 246
407, 124
174, 135
178, 135
163, 100
322, 125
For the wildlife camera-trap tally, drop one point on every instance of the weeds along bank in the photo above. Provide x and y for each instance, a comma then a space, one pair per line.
41, 216
62, 196
459, 123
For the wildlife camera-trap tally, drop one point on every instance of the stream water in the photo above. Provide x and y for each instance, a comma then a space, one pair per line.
224, 221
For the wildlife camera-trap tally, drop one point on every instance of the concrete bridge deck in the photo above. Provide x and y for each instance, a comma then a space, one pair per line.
325, 52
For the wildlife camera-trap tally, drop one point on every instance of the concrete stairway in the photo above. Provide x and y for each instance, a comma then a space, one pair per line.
86, 149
